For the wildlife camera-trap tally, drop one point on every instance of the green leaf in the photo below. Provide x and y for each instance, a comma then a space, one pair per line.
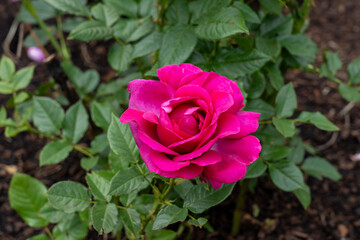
84, 82
71, 23
234, 64
198, 222
133, 29
90, 31
318, 167
120, 57
273, 26
354, 71
318, 119
269, 46
333, 61
284, 126
27, 196
88, 163
147, 7
131, 220
300, 45
43, 10
286, 176
178, 44
71, 227
127, 181
304, 196
272, 6
221, 24
285, 101
101, 115
6, 87
69, 196
23, 77
161, 234
48, 115
99, 143
76, 122
51, 214
350, 93
169, 215
249, 14
255, 85
116, 162
105, 14
104, 217
200, 8
7, 69
275, 76
21, 97
298, 151
148, 45
177, 12
55, 152
39, 237
121, 140
275, 152
256, 169
127, 199
128, 8
99, 184
259, 105
70, 6
198, 199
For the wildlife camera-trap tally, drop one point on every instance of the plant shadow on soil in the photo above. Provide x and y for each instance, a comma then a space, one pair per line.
335, 209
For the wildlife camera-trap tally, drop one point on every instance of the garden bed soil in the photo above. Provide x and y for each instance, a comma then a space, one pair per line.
335, 209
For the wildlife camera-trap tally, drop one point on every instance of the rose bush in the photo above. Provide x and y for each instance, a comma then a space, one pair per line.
190, 124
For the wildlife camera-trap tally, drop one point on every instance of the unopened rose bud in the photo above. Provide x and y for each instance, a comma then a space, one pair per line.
36, 54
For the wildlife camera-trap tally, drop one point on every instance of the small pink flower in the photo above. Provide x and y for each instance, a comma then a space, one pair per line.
36, 54
190, 124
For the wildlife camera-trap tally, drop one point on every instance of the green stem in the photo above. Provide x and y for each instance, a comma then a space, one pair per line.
168, 189
65, 51
37, 132
49, 233
161, 15
265, 122
157, 204
239, 209
83, 150
28, 5
119, 41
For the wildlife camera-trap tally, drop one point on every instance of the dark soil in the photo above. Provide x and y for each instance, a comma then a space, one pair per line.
335, 209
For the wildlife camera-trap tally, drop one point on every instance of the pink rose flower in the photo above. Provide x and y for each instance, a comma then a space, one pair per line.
190, 124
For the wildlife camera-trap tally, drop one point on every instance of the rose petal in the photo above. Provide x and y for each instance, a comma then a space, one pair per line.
166, 164
222, 101
243, 150
227, 125
237, 154
226, 171
195, 79
194, 91
169, 105
188, 172
142, 95
220, 83
172, 74
249, 123
208, 158
146, 131
237, 96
